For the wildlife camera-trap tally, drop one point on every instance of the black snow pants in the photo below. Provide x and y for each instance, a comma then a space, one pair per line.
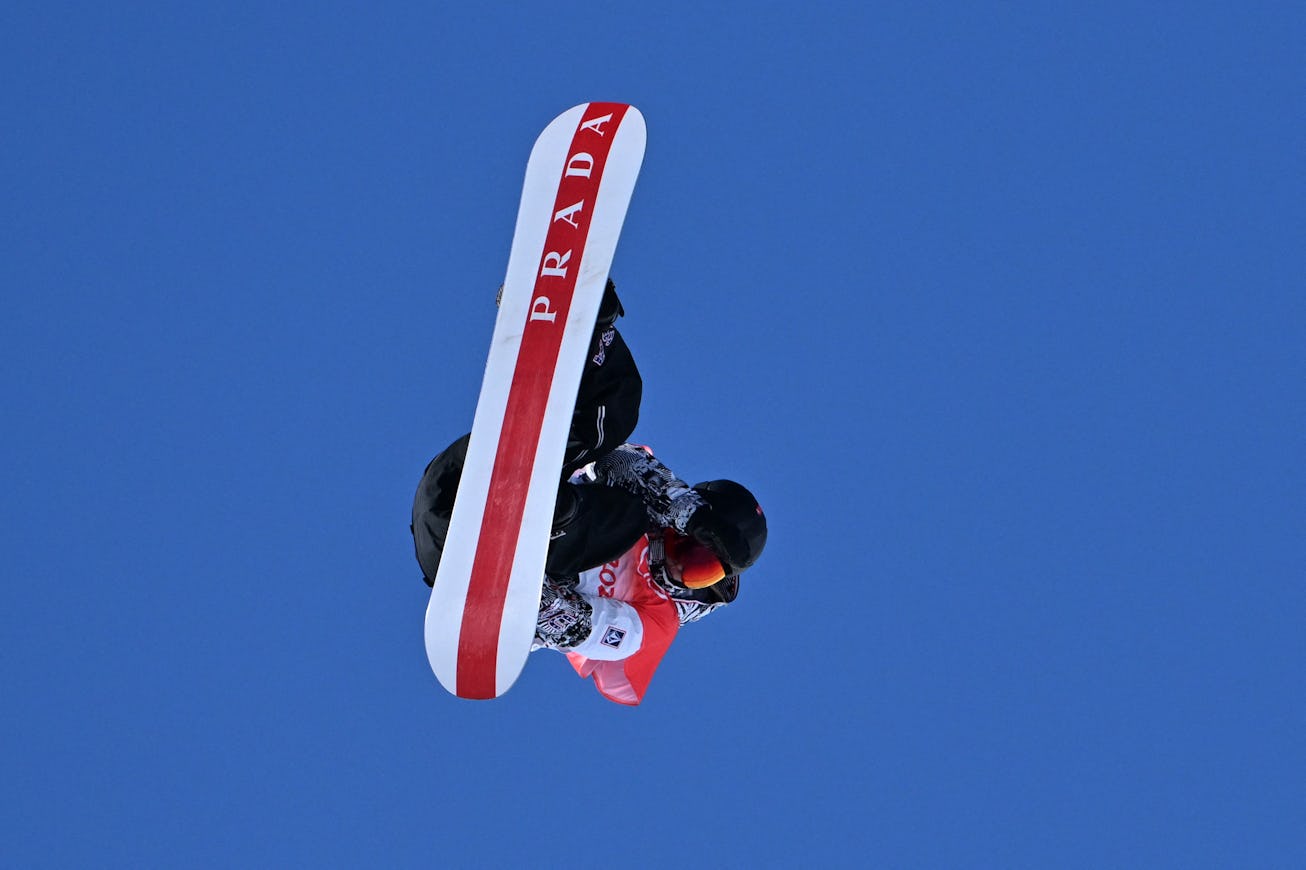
592, 524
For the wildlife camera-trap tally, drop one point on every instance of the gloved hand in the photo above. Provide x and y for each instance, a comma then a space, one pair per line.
682, 509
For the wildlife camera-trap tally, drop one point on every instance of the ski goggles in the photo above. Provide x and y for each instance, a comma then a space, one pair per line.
697, 566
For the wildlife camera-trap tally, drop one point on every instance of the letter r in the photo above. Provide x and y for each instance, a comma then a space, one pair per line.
555, 264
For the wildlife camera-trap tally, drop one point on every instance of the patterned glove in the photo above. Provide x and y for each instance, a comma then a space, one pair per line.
669, 500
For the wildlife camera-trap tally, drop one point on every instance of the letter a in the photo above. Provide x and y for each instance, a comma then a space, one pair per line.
596, 124
566, 213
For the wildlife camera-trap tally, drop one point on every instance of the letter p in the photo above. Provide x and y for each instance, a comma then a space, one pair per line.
540, 310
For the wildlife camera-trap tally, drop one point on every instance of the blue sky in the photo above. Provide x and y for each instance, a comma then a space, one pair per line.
997, 307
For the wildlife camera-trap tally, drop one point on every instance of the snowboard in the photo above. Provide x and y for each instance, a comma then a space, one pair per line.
480, 621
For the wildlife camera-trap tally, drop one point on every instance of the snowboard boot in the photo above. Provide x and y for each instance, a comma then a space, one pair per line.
565, 617
610, 308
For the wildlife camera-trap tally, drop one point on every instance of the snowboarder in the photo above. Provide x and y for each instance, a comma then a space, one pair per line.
635, 552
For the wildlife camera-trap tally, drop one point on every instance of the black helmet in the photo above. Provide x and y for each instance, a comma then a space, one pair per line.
733, 524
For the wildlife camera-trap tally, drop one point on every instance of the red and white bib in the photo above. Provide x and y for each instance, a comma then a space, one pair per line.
634, 625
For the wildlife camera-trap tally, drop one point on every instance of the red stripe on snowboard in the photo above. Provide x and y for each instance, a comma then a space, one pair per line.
478, 639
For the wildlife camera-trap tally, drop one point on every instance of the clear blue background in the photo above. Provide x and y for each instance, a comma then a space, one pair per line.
997, 306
